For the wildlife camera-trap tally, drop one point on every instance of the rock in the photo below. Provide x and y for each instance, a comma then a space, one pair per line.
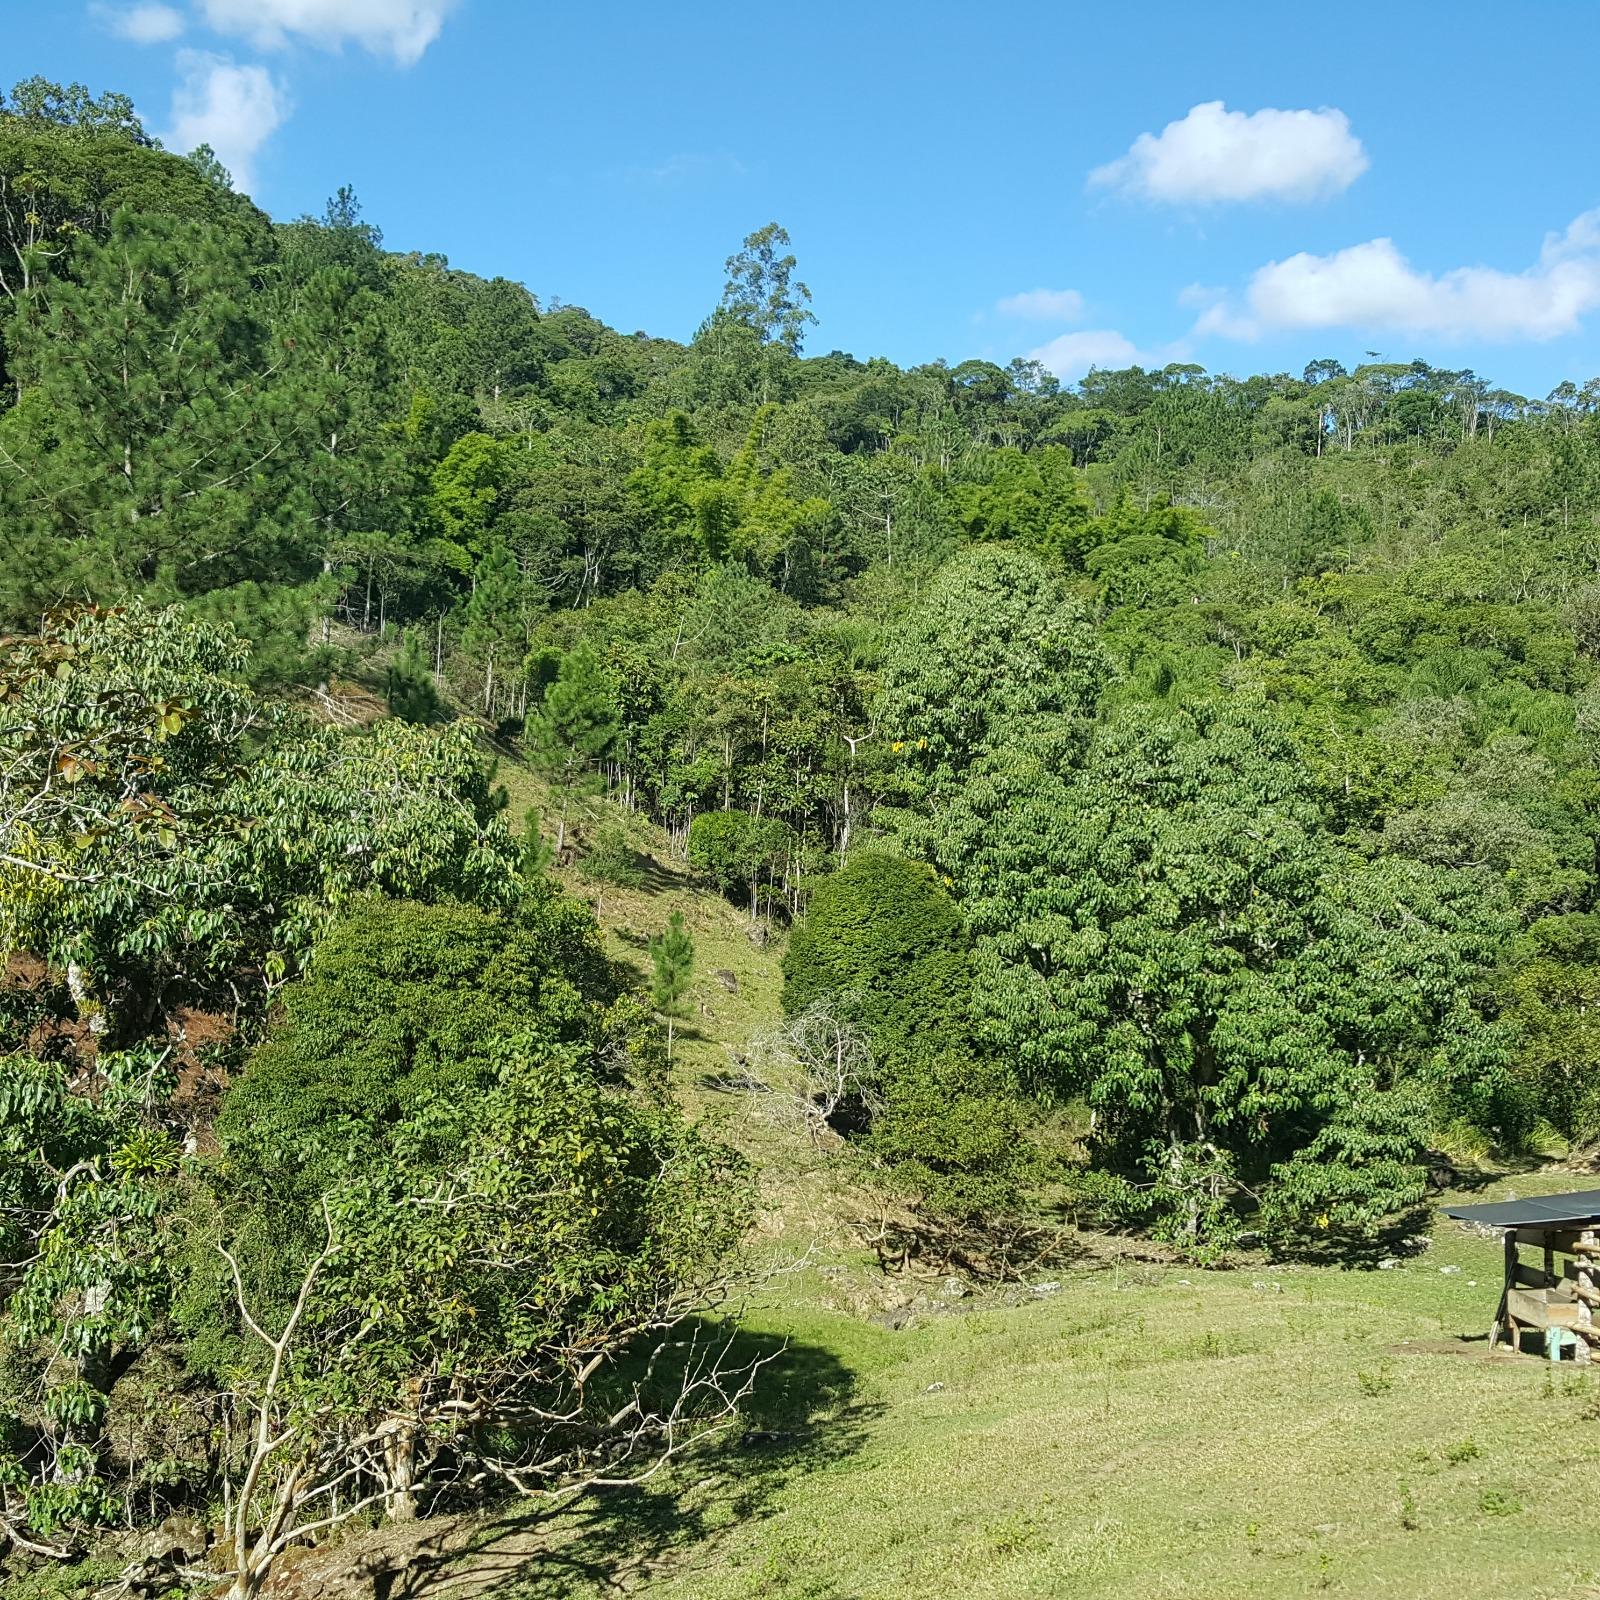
1449, 1269
728, 980
1046, 1288
153, 1576
896, 1319
296, 1555
1389, 1263
182, 1536
954, 1289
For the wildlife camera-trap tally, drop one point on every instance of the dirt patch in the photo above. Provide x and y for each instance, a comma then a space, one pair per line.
198, 1039
451, 1557
1473, 1346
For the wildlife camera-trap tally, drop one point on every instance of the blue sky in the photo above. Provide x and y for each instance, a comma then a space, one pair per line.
1245, 186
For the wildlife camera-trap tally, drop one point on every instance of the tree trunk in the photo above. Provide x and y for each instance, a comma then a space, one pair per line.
91, 1008
400, 1454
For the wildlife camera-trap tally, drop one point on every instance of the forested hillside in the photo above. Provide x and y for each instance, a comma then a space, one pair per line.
1178, 798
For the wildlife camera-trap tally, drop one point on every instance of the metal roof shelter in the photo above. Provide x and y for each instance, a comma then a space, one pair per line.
1562, 1304
1537, 1211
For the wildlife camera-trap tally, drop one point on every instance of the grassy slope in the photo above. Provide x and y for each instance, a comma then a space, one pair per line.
1177, 1432
1180, 1433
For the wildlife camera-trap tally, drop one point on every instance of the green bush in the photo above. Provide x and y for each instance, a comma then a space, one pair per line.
612, 858
405, 1000
884, 944
410, 688
884, 933
955, 1133
406, 1006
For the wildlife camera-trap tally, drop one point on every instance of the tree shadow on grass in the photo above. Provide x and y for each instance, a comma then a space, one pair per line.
802, 1415
639, 871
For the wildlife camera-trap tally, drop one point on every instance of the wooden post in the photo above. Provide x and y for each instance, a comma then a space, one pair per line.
1584, 1251
1504, 1324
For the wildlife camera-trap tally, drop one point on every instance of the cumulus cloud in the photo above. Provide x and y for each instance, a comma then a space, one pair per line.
1043, 305
142, 24
1373, 286
401, 29
232, 108
1214, 155
1072, 354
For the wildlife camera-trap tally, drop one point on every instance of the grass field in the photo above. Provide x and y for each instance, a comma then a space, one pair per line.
1138, 1429
1147, 1430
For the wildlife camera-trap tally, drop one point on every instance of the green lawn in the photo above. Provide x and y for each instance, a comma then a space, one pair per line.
1151, 1431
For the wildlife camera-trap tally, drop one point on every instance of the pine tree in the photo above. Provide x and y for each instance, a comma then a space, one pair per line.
191, 446
576, 726
672, 955
412, 696
494, 632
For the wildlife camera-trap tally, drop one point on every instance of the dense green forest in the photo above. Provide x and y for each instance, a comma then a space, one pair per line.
1180, 796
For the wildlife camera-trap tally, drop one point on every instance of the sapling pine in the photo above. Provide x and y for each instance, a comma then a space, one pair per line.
672, 954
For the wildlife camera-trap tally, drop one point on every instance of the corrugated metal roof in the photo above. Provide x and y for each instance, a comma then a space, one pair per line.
1537, 1211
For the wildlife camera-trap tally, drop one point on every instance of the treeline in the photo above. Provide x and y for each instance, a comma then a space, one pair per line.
1183, 793
693, 576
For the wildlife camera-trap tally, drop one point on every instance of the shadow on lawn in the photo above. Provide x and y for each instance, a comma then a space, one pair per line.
802, 1415
640, 872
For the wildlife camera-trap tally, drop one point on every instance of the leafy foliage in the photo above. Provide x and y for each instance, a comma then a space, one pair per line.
885, 947
404, 1001
884, 933
1211, 765
1172, 931
160, 826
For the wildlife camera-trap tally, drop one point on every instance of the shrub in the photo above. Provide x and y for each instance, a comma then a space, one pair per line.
612, 858
405, 1000
506, 1290
410, 688
885, 946
955, 1132
883, 930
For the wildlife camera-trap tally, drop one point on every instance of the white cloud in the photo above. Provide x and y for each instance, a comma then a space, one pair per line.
1372, 286
1214, 155
402, 29
1043, 305
1072, 354
686, 167
142, 24
233, 109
